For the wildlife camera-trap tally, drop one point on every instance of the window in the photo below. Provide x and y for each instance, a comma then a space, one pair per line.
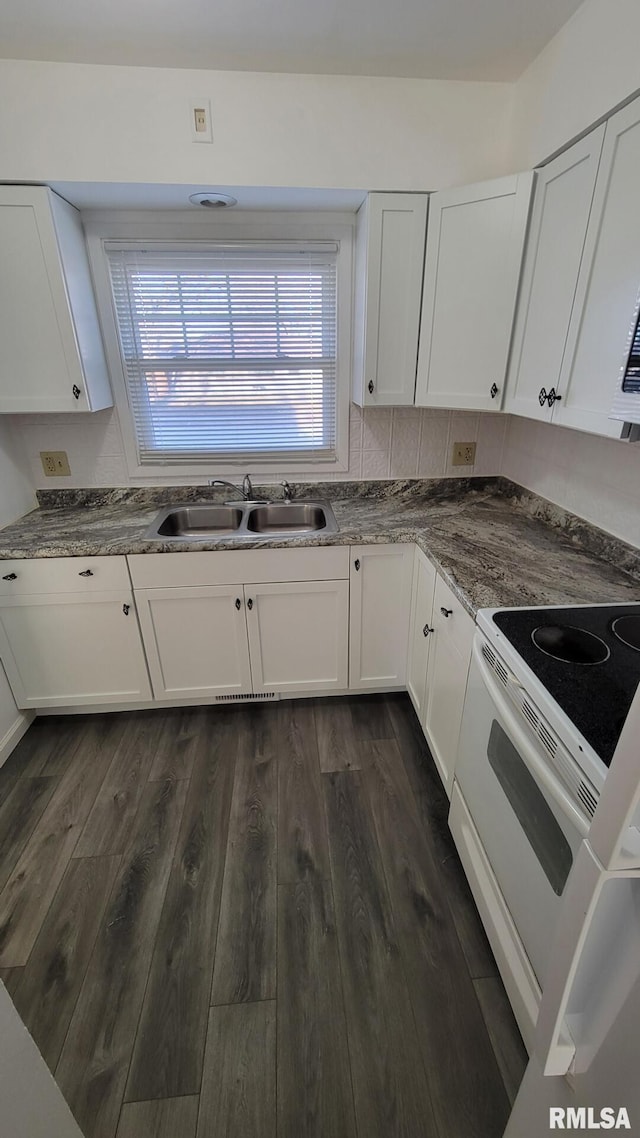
229, 351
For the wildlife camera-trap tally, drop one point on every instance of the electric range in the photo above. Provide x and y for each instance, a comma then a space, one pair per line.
580, 665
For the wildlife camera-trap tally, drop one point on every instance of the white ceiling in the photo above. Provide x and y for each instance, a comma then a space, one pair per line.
434, 39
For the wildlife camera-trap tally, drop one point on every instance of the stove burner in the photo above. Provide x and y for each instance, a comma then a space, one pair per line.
571, 645
627, 629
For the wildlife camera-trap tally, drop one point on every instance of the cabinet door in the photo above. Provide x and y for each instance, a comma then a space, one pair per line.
389, 263
48, 321
420, 631
381, 577
298, 635
561, 208
449, 659
607, 293
63, 650
195, 640
472, 265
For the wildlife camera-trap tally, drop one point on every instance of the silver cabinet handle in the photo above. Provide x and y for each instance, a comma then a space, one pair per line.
238, 603
249, 604
446, 612
426, 630
76, 391
370, 386
356, 565
10, 577
125, 609
86, 573
494, 390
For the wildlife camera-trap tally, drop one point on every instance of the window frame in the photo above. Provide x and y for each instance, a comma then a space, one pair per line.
175, 226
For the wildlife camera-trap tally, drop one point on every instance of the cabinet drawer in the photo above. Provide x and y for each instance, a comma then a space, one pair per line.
259, 566
458, 625
63, 575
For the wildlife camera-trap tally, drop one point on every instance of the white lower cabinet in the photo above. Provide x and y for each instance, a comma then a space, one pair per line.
440, 640
196, 640
379, 615
275, 635
420, 638
67, 649
214, 640
449, 659
298, 635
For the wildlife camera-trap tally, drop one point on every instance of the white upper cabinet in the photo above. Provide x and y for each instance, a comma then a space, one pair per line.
560, 216
389, 264
608, 284
52, 355
472, 266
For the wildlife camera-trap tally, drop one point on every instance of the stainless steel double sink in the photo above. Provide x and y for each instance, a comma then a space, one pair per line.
242, 520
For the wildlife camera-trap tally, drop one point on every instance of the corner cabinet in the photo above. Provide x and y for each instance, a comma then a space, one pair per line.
53, 358
472, 267
581, 283
282, 628
559, 220
608, 286
420, 631
389, 262
69, 634
440, 641
381, 577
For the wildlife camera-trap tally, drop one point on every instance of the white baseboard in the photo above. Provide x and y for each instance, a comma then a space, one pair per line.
203, 701
13, 736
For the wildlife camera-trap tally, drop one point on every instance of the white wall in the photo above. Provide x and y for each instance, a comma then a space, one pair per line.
590, 66
16, 490
596, 478
399, 443
77, 122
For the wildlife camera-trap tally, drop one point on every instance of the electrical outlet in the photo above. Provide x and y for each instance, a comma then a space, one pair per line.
55, 463
464, 454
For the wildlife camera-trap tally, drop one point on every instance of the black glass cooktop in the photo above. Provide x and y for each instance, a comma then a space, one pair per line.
588, 660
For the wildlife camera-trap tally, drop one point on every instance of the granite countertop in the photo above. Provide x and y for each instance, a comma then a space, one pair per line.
496, 544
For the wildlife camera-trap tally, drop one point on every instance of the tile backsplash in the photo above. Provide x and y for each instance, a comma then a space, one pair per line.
387, 443
594, 477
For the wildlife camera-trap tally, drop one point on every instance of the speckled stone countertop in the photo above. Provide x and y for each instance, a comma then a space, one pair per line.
496, 544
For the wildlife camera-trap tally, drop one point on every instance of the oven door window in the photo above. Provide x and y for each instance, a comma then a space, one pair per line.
531, 809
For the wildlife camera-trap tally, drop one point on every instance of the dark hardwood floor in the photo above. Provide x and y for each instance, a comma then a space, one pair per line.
250, 922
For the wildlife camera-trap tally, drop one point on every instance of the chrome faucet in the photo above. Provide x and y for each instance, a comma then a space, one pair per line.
287, 492
247, 489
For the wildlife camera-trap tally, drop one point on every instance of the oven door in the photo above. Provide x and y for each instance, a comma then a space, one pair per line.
527, 821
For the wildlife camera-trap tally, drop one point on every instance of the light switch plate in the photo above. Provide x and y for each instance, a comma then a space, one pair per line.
55, 463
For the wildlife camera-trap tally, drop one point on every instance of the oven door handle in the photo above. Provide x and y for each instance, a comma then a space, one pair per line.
527, 751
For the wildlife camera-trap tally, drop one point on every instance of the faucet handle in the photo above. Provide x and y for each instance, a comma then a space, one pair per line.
287, 492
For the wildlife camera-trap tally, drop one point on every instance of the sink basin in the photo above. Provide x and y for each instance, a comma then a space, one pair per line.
249, 520
288, 518
199, 521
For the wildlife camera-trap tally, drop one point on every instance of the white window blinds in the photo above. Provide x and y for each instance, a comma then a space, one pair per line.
229, 352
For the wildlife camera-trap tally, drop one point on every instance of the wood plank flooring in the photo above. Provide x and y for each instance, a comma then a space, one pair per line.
252, 922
